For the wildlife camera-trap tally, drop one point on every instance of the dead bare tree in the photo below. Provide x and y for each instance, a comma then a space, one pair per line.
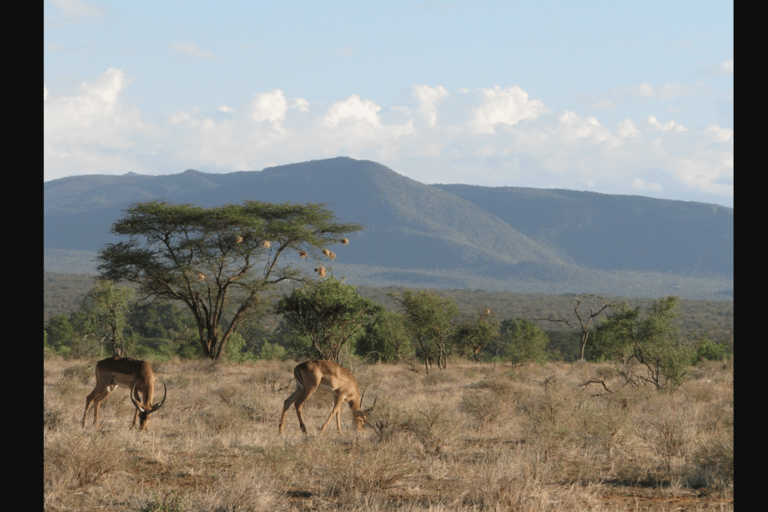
584, 320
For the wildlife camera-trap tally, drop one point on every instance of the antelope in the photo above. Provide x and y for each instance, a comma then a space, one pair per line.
130, 373
329, 376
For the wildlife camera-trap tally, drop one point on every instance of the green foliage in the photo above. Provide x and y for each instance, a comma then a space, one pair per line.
428, 317
218, 261
710, 350
386, 339
60, 333
521, 341
329, 313
171, 502
472, 337
159, 319
105, 309
235, 350
272, 351
63, 294
647, 346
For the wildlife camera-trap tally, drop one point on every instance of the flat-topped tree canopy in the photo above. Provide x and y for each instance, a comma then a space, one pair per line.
201, 255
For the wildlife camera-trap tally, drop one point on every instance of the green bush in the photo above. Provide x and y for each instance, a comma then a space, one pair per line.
711, 351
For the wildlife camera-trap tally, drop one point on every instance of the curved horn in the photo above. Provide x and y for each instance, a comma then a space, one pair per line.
374, 405
165, 395
133, 392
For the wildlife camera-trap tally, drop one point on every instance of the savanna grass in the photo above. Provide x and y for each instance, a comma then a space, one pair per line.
468, 438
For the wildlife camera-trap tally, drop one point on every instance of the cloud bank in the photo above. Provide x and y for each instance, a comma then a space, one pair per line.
488, 136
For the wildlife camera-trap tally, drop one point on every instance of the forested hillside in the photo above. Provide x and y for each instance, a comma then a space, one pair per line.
437, 236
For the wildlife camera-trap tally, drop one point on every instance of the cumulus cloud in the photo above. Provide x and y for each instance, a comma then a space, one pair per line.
573, 127
626, 129
719, 134
490, 136
95, 114
352, 109
724, 68
507, 106
269, 106
669, 125
86, 131
428, 97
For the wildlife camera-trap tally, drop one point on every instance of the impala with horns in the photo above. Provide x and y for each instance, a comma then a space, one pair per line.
130, 373
332, 377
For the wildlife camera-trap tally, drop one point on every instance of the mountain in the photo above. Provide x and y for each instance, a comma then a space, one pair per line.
451, 236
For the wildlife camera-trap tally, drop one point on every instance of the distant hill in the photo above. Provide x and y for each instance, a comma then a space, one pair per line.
445, 236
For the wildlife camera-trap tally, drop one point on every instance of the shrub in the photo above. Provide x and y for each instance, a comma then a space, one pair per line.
710, 351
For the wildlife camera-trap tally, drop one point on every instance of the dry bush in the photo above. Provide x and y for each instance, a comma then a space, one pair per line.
468, 438
364, 472
550, 416
603, 426
439, 378
482, 406
76, 459
712, 465
78, 373
244, 489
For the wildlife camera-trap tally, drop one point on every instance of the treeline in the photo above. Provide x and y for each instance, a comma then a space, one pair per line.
333, 320
63, 295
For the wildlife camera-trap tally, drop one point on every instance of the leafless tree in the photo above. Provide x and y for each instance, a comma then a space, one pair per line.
585, 320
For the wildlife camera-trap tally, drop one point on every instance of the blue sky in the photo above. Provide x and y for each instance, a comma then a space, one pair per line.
615, 97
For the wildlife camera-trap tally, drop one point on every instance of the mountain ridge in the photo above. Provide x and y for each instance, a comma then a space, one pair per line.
437, 234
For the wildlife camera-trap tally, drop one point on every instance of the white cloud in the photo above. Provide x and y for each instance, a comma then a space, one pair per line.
719, 134
93, 114
507, 106
627, 128
573, 127
300, 104
352, 109
86, 133
643, 90
725, 67
490, 136
642, 186
428, 97
269, 106
708, 172
669, 125
191, 50
74, 9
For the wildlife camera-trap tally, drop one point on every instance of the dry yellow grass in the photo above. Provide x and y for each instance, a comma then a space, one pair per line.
469, 438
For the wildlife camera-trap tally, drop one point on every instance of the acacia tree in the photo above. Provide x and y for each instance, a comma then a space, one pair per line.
472, 336
386, 339
107, 306
218, 261
522, 340
647, 347
329, 313
428, 318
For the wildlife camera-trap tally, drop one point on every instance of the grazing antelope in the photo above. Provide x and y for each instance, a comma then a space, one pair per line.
130, 373
330, 376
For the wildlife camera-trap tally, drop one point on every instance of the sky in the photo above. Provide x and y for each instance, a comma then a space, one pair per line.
615, 97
